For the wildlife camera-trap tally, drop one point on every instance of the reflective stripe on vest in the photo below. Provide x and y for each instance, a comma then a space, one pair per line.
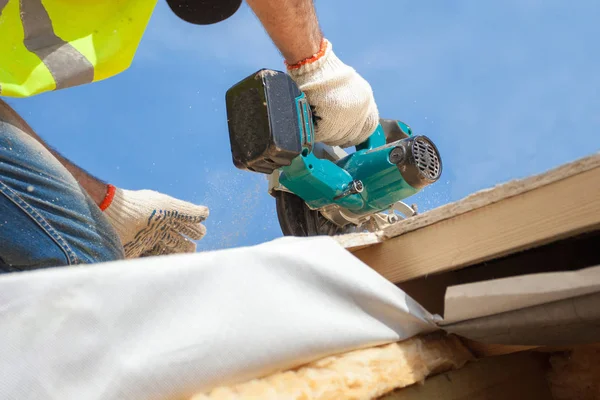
55, 44
67, 66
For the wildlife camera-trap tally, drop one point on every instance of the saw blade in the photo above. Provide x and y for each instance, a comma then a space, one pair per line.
297, 219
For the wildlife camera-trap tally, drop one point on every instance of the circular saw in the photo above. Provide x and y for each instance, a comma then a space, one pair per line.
320, 189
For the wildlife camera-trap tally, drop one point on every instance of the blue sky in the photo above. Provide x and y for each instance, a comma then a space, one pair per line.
506, 89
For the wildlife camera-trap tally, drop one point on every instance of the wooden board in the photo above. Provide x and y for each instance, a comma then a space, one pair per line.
516, 377
489, 224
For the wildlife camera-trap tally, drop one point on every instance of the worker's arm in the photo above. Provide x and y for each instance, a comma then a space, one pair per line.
292, 25
148, 222
342, 99
95, 188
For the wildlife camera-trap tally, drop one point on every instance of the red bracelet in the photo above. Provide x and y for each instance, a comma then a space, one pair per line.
110, 194
311, 59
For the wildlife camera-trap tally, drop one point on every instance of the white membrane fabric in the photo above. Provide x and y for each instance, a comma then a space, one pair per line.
172, 326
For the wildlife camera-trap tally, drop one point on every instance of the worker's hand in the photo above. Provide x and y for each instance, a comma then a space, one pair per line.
151, 223
346, 113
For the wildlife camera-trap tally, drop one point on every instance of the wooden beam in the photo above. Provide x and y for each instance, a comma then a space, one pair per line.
519, 376
509, 218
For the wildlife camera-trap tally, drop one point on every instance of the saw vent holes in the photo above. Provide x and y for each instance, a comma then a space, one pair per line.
426, 158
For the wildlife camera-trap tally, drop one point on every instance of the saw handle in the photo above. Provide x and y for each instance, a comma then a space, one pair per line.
387, 131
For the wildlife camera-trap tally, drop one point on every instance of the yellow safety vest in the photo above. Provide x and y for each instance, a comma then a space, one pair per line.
55, 44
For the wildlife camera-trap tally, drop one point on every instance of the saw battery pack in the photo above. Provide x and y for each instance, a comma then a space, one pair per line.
269, 121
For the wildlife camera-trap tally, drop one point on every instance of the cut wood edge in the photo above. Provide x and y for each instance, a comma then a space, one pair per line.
360, 374
357, 241
539, 210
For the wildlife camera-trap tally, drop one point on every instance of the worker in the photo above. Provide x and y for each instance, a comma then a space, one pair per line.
54, 213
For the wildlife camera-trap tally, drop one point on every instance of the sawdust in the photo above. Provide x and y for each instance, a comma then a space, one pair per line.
236, 200
264, 73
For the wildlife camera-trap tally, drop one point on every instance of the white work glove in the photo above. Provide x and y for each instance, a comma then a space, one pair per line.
346, 113
151, 223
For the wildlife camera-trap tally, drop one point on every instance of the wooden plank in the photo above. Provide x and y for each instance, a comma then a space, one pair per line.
509, 218
519, 376
495, 194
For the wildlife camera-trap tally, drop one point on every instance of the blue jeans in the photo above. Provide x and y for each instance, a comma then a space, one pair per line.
46, 218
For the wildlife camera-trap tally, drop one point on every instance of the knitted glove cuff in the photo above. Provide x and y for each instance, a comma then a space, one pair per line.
108, 199
324, 60
120, 210
341, 98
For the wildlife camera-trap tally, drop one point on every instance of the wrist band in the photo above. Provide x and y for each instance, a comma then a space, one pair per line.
310, 59
110, 194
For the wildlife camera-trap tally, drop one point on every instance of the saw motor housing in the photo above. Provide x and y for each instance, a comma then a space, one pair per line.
271, 131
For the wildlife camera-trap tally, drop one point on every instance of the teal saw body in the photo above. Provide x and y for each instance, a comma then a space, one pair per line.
271, 131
